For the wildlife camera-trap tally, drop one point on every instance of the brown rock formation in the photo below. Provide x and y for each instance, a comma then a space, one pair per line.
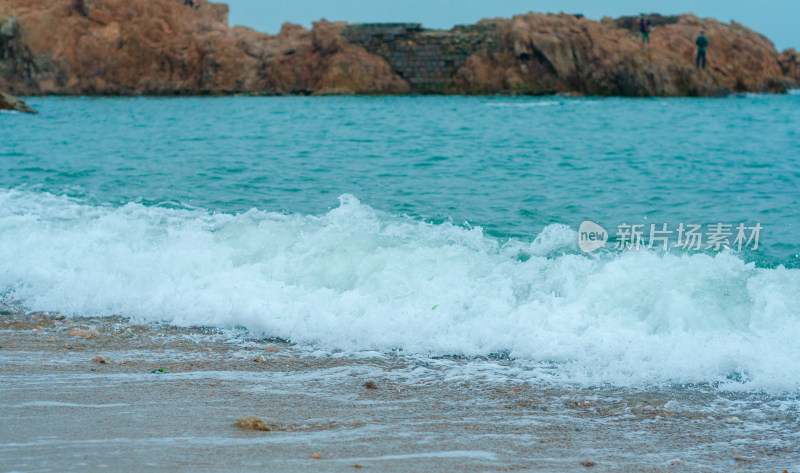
165, 47
9, 102
790, 65
565, 53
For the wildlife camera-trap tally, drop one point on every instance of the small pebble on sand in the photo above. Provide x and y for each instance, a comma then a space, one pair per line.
272, 349
100, 359
315, 456
370, 385
588, 464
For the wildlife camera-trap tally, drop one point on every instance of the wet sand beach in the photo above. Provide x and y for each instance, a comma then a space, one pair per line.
104, 394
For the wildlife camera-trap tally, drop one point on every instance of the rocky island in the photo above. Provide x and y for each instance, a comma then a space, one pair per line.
163, 47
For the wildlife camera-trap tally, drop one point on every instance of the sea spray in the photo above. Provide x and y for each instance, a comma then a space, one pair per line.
356, 278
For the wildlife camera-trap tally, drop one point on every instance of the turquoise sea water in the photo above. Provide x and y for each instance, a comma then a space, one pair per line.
512, 166
432, 224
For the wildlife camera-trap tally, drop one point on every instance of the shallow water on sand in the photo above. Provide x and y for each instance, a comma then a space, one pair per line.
64, 411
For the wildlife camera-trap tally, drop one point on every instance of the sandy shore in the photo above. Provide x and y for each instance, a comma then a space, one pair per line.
89, 395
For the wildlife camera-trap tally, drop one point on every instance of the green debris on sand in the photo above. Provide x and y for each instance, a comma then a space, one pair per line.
434, 307
160, 370
253, 423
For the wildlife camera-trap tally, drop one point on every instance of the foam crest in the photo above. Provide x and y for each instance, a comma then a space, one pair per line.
358, 279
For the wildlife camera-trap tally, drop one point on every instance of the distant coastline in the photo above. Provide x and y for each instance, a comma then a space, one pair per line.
163, 47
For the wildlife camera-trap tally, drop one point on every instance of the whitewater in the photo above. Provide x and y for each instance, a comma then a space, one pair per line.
399, 283
358, 279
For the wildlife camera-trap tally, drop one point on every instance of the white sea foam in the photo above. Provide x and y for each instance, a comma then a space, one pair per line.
358, 279
538, 103
60, 404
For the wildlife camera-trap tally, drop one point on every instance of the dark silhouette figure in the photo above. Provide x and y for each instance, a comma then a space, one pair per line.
702, 44
189, 2
644, 27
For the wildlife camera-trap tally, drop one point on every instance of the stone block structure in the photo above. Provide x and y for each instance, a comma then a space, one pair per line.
427, 59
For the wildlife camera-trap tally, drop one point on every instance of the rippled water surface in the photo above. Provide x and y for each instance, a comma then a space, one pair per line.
510, 165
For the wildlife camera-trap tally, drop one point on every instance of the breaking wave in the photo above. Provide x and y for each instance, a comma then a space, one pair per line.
359, 279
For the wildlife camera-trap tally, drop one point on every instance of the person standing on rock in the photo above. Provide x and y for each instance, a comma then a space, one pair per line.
644, 26
702, 44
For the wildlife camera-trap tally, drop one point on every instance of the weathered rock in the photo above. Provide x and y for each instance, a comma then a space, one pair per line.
743, 60
789, 61
563, 53
631, 23
165, 47
9, 102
